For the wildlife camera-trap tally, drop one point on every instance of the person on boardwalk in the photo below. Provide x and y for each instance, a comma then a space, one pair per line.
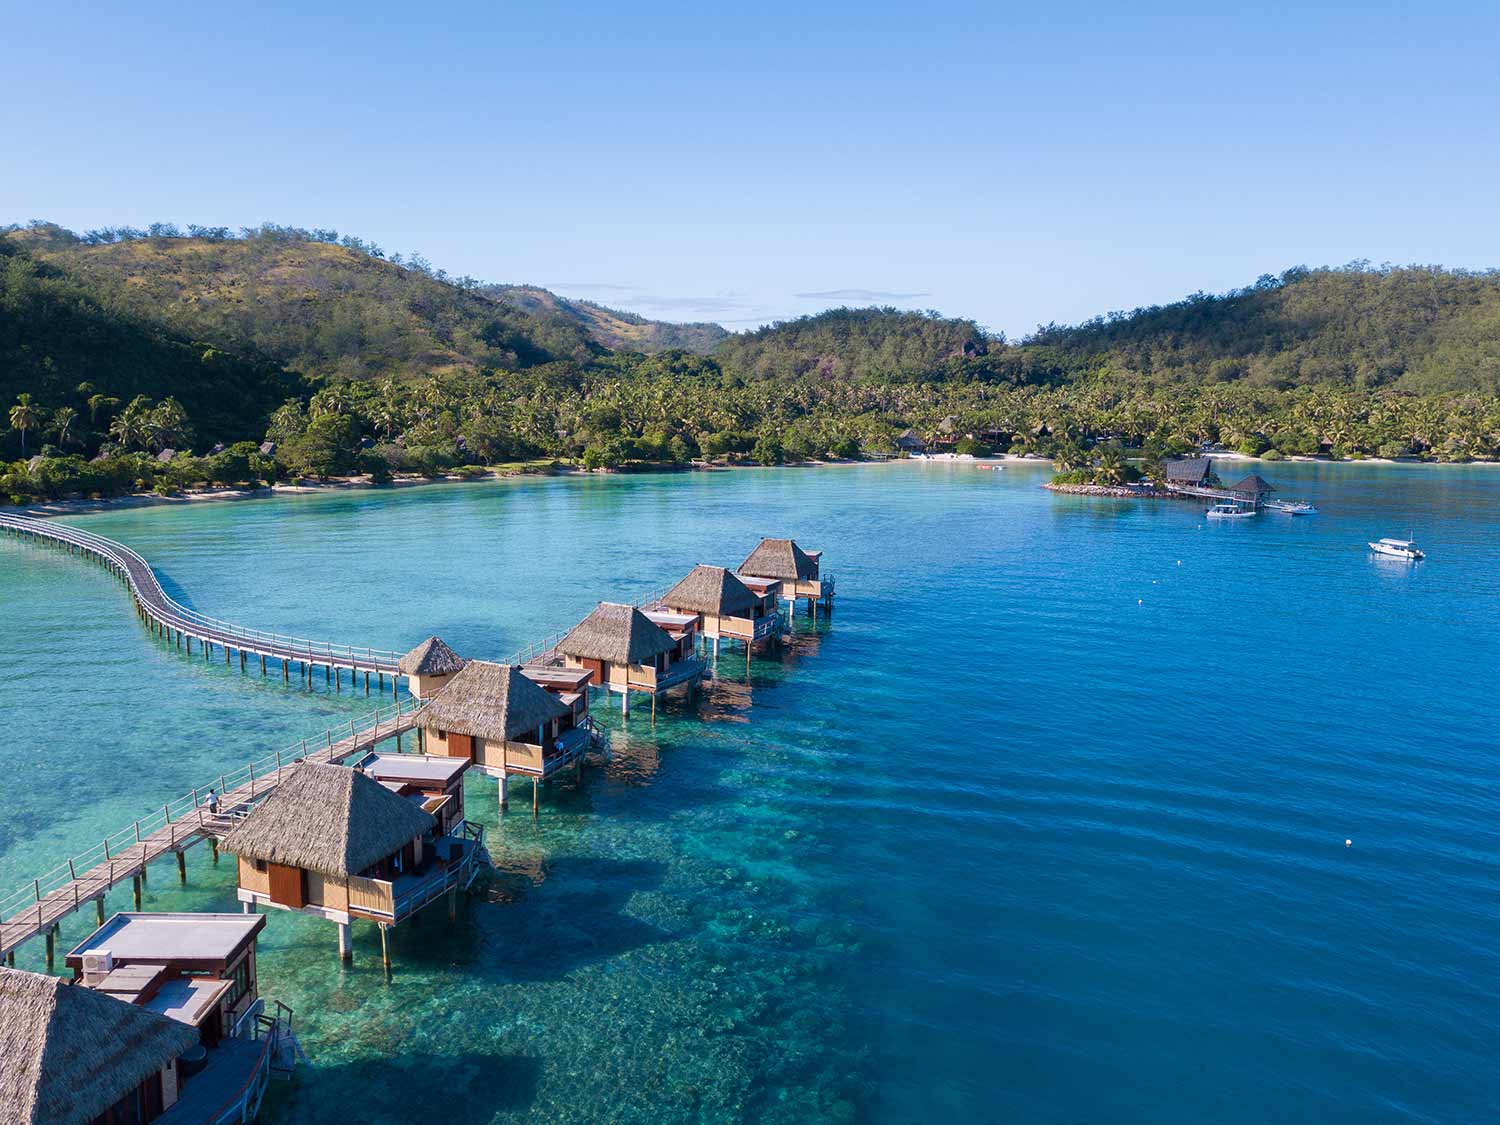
213, 803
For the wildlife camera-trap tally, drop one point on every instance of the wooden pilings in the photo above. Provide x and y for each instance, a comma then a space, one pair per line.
385, 947
99, 908
182, 867
135, 887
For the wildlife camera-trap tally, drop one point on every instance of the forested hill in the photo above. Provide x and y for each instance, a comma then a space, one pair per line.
1421, 330
612, 327
70, 350
869, 345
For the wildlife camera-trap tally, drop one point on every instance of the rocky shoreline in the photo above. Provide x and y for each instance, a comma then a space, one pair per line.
1122, 491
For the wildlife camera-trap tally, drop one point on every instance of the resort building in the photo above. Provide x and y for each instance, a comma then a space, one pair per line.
429, 666
436, 782
335, 842
199, 970
624, 651
498, 718
726, 607
798, 571
1190, 472
908, 442
1253, 490
569, 686
76, 1056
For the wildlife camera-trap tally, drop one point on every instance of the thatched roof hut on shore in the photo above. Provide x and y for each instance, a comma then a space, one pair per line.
616, 634
71, 1053
328, 819
495, 702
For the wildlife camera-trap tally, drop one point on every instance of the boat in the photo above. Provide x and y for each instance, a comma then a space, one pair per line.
1397, 548
1228, 511
1292, 507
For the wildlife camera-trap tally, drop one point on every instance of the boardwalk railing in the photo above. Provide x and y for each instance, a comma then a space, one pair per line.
180, 821
544, 651
165, 610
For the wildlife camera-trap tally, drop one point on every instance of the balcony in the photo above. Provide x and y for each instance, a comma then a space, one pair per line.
391, 900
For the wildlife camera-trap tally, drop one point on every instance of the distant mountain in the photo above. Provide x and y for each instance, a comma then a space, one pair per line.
873, 344
624, 331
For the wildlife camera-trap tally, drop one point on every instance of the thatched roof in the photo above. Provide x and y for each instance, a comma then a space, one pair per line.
1190, 470
1254, 484
618, 634
491, 701
431, 658
328, 819
711, 589
779, 558
69, 1053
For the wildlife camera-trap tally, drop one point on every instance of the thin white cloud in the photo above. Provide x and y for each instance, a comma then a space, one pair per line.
858, 295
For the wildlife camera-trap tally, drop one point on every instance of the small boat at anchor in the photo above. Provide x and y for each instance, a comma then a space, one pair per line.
1292, 507
1398, 549
1228, 511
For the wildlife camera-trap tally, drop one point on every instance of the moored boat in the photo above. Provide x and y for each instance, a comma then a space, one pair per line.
1228, 511
1292, 507
1397, 548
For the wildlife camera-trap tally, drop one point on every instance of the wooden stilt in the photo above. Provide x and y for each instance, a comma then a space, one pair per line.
262, 665
182, 868
135, 887
504, 801
385, 946
346, 943
286, 673
653, 707
536, 788
99, 908
452, 905
213, 850
367, 683
51, 947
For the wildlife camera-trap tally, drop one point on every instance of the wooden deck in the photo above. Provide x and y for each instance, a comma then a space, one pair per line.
177, 623
35, 910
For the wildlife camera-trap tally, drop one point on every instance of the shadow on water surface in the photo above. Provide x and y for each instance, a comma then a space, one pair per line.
465, 1089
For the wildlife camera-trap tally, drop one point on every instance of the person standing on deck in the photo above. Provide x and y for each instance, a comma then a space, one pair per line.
213, 803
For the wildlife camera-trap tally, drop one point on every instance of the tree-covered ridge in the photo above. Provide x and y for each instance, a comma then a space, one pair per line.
78, 353
1419, 329
613, 328
330, 309
872, 345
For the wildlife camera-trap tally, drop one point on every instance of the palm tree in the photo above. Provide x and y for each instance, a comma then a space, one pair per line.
23, 417
101, 404
64, 424
129, 426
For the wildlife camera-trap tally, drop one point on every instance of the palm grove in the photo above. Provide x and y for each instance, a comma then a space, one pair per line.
168, 359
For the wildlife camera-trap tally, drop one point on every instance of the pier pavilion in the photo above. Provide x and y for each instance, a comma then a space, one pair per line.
429, 666
798, 571
624, 652
74, 1056
498, 718
725, 606
333, 842
1252, 490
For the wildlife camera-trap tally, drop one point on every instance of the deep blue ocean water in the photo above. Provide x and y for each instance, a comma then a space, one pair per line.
1047, 823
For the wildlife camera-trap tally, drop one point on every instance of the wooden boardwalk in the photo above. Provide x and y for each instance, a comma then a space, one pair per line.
36, 910
177, 624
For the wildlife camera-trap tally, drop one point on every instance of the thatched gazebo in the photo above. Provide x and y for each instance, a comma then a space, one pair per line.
1252, 490
498, 718
625, 651
321, 839
798, 571
429, 666
69, 1054
725, 606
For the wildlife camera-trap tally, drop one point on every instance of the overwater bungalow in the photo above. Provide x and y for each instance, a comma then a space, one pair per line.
1252, 490
624, 651
497, 717
569, 686
798, 571
334, 842
437, 781
429, 666
199, 970
726, 607
75, 1056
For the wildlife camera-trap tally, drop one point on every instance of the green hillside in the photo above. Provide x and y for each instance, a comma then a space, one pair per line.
612, 327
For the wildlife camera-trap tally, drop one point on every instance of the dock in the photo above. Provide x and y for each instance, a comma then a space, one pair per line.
36, 910
175, 623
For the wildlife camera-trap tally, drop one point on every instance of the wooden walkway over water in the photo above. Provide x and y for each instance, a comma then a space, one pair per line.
179, 625
36, 910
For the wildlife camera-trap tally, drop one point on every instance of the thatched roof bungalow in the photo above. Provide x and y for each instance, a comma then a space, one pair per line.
69, 1055
495, 716
334, 842
624, 651
429, 666
798, 571
726, 606
1190, 472
1253, 489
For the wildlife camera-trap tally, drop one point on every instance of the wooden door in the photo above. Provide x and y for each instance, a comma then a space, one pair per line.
460, 745
596, 670
288, 888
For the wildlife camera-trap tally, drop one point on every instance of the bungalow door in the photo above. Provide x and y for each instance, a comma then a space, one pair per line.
288, 885
460, 746
595, 670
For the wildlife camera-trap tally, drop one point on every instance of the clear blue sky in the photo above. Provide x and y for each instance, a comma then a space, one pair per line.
1010, 163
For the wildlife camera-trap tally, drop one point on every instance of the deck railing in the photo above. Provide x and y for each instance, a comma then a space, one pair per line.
186, 816
167, 610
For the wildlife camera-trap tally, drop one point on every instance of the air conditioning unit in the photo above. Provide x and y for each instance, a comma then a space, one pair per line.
98, 961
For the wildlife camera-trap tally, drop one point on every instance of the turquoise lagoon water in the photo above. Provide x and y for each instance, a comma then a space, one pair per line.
1046, 824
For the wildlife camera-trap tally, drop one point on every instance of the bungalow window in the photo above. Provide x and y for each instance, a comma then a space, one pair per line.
260, 865
240, 983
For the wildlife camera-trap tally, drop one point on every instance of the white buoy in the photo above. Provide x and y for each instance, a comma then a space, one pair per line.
1138, 601
1348, 843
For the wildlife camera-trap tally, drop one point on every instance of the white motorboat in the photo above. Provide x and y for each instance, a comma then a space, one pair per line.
1292, 507
1397, 548
1228, 511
